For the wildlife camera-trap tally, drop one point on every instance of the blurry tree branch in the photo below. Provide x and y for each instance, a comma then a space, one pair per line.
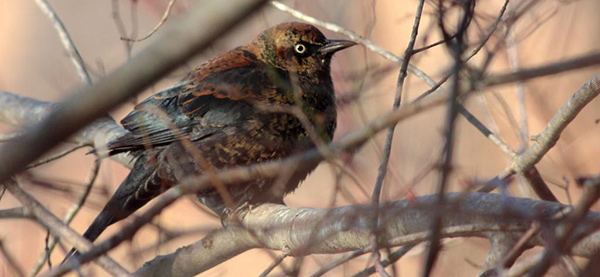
26, 112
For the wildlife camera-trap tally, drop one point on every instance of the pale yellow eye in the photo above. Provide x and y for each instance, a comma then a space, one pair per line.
300, 48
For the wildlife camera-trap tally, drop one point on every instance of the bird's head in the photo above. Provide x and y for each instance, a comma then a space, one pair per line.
297, 48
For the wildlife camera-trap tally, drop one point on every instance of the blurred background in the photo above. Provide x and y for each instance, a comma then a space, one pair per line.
34, 63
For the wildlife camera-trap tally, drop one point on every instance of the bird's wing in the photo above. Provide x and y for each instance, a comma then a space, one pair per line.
236, 76
155, 121
214, 94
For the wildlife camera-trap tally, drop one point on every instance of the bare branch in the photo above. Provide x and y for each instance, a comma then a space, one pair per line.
544, 141
66, 40
347, 228
56, 156
274, 264
540, 71
89, 182
160, 23
387, 149
20, 212
58, 228
25, 112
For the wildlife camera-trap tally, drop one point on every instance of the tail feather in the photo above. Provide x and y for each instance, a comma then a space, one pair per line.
102, 221
136, 190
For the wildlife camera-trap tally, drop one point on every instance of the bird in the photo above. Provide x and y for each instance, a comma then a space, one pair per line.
218, 116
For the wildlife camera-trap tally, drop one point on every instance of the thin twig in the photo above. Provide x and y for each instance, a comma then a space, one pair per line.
540, 71
56, 156
513, 59
392, 258
492, 30
474, 52
66, 40
89, 182
58, 228
520, 246
274, 264
566, 236
544, 141
456, 48
160, 23
383, 167
116, 15
346, 258
486, 132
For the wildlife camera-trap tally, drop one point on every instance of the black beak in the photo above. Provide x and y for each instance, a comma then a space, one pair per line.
333, 46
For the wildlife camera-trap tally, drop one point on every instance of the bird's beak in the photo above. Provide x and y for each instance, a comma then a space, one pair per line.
333, 46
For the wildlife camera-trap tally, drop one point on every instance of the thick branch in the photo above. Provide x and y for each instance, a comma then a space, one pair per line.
347, 228
26, 112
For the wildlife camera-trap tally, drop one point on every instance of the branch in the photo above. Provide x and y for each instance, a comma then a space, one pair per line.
26, 112
160, 23
387, 149
540, 71
548, 138
66, 40
347, 228
53, 241
58, 228
20, 212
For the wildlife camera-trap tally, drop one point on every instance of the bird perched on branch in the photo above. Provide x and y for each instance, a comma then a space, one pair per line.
232, 110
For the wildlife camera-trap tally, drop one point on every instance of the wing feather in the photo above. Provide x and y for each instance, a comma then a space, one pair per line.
216, 93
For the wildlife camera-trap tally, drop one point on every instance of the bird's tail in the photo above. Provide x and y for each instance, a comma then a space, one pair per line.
102, 221
141, 185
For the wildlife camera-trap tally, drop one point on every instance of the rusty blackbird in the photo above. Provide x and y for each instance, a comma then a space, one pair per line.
218, 110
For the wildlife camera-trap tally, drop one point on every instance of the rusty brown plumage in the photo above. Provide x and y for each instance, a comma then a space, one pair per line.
213, 117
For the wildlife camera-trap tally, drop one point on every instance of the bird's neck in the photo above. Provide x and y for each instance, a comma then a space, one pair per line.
317, 99
313, 93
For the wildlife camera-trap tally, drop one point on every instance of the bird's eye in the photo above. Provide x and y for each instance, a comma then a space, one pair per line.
300, 48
